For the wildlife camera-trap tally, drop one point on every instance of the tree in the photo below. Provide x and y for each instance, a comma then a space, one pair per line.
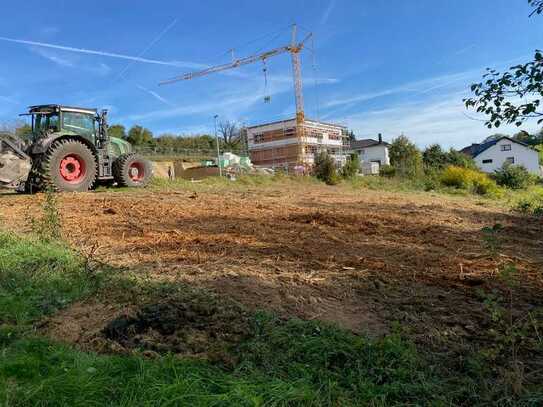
405, 157
18, 128
537, 5
23, 132
138, 135
513, 96
351, 167
434, 157
229, 133
117, 130
325, 168
460, 159
350, 135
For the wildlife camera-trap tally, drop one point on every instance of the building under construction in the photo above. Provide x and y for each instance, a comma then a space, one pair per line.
283, 144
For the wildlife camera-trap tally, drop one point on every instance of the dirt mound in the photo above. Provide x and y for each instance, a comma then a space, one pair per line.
187, 328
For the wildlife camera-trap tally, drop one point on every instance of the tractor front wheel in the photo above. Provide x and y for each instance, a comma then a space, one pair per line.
131, 170
69, 165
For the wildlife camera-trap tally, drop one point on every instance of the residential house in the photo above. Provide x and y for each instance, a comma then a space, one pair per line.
491, 155
372, 154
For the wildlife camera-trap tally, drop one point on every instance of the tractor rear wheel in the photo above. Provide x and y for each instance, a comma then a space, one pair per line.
68, 165
131, 170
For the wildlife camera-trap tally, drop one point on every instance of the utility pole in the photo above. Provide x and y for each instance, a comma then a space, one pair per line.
218, 150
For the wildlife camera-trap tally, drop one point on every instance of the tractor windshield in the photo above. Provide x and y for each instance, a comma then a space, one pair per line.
79, 123
44, 122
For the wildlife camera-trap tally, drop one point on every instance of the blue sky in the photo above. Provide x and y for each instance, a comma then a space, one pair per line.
378, 66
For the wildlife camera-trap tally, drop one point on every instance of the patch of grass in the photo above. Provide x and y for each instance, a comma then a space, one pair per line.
242, 182
529, 202
280, 362
37, 277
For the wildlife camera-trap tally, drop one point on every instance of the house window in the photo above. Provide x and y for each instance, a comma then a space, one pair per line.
258, 138
510, 160
489, 161
506, 147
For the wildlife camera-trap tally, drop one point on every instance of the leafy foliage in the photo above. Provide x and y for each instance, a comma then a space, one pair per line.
117, 130
513, 96
513, 176
405, 157
387, 171
325, 168
351, 167
138, 135
537, 5
434, 157
468, 179
496, 96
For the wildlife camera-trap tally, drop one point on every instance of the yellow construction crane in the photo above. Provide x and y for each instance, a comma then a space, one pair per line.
294, 48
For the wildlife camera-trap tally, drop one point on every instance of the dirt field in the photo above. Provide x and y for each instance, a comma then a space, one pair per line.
362, 259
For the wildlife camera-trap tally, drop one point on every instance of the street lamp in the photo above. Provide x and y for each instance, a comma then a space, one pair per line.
217, 142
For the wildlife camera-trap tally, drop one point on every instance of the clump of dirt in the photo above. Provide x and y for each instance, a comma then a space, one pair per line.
186, 328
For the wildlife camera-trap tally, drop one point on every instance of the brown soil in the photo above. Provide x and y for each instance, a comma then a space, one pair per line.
361, 259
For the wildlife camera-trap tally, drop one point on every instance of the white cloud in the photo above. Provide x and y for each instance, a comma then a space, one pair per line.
422, 86
101, 68
52, 57
439, 120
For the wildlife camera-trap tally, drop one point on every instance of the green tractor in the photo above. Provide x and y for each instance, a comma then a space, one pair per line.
70, 150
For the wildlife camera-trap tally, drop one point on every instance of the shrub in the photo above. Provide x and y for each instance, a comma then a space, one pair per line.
513, 176
456, 177
325, 168
351, 167
387, 171
465, 178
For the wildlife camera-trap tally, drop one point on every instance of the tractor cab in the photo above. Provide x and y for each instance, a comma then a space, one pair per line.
57, 121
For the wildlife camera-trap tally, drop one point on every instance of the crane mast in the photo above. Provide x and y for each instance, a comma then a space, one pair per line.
294, 48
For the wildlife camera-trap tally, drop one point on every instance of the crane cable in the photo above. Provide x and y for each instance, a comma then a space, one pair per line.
267, 98
315, 79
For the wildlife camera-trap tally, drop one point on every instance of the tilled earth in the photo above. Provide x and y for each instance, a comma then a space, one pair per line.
358, 258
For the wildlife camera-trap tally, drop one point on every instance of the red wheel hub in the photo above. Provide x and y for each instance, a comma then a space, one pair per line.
72, 168
136, 171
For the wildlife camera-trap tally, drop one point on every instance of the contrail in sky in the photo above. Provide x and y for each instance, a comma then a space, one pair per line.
140, 55
179, 64
154, 94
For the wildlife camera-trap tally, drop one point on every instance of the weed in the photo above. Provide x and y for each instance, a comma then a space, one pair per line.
48, 227
491, 238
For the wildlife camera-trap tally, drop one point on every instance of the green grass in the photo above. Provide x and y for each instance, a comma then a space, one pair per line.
281, 362
37, 278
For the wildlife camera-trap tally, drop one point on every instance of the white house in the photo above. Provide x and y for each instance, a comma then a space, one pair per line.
372, 154
491, 155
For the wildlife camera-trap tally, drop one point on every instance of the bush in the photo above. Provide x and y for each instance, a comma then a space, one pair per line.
351, 167
387, 171
513, 176
325, 168
465, 178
